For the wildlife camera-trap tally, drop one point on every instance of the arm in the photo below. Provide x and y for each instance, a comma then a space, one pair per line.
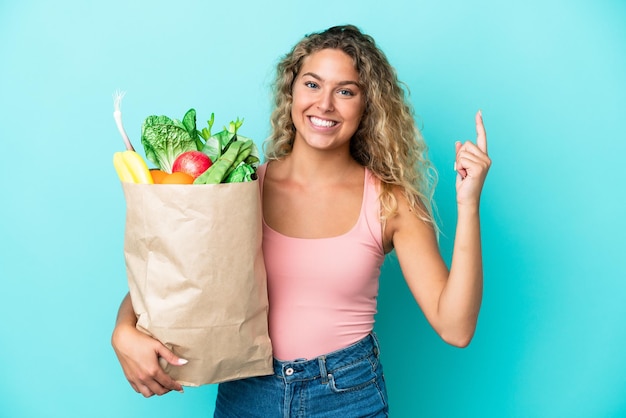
450, 299
139, 354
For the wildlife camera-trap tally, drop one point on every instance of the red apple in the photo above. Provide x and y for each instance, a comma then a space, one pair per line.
193, 163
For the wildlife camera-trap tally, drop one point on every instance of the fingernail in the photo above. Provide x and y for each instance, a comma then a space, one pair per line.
480, 112
455, 166
182, 361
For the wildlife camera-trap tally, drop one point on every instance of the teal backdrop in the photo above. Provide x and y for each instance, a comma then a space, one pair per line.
550, 77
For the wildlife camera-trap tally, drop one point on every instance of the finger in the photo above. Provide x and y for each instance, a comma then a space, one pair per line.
170, 357
155, 383
481, 134
471, 148
134, 386
472, 153
166, 383
457, 148
158, 389
144, 390
466, 159
163, 378
474, 166
471, 165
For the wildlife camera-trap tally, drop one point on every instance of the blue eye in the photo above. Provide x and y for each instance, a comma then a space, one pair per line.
311, 84
345, 92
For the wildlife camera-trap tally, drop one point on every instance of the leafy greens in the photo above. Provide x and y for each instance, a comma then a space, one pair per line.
164, 139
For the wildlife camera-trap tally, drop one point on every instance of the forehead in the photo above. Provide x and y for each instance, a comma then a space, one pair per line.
330, 64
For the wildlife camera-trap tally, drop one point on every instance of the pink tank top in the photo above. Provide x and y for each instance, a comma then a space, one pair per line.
322, 292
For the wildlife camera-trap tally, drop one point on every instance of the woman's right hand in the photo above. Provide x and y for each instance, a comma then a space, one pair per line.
139, 354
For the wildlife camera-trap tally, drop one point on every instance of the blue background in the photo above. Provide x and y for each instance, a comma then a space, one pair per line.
549, 76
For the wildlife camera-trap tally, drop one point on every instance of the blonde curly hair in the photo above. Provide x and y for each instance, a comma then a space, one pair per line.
387, 140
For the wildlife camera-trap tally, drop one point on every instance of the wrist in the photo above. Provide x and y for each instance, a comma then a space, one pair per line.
468, 209
121, 330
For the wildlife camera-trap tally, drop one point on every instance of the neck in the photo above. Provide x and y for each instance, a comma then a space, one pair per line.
318, 167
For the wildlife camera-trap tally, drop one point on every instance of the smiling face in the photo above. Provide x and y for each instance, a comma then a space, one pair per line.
327, 101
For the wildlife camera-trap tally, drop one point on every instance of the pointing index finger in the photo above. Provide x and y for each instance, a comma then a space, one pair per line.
481, 134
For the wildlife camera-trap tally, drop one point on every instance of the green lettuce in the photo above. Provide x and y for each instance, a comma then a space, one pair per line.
164, 139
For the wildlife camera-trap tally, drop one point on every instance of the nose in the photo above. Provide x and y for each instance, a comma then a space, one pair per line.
325, 103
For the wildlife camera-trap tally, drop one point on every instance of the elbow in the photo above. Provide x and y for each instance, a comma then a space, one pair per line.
456, 330
459, 342
459, 339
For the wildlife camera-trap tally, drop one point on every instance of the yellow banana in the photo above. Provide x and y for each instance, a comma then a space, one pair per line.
122, 170
131, 167
138, 167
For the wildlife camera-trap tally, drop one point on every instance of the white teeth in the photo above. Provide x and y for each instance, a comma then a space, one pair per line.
321, 122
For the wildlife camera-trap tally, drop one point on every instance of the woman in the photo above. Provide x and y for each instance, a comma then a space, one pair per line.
346, 182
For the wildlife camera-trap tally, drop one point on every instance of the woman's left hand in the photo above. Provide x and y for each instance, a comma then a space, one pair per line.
472, 164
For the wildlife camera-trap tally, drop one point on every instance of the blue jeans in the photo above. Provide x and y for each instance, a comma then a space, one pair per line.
346, 383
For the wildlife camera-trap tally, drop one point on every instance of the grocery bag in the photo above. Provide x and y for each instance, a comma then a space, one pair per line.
197, 279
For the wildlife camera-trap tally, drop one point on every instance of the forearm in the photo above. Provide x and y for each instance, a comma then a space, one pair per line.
126, 320
461, 297
139, 355
126, 314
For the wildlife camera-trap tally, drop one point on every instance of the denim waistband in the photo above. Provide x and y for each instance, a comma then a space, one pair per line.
320, 367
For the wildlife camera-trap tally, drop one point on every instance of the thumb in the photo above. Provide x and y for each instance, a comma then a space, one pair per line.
170, 357
461, 172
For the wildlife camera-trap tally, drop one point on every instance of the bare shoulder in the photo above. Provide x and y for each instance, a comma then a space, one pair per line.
406, 225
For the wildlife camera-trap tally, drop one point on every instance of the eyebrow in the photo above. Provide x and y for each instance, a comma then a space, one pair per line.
341, 83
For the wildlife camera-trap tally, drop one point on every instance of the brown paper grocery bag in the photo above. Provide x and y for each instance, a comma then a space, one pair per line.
197, 278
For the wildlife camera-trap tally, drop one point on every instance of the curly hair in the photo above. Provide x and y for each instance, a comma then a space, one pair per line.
387, 140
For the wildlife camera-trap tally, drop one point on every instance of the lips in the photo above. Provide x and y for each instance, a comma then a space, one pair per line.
322, 123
